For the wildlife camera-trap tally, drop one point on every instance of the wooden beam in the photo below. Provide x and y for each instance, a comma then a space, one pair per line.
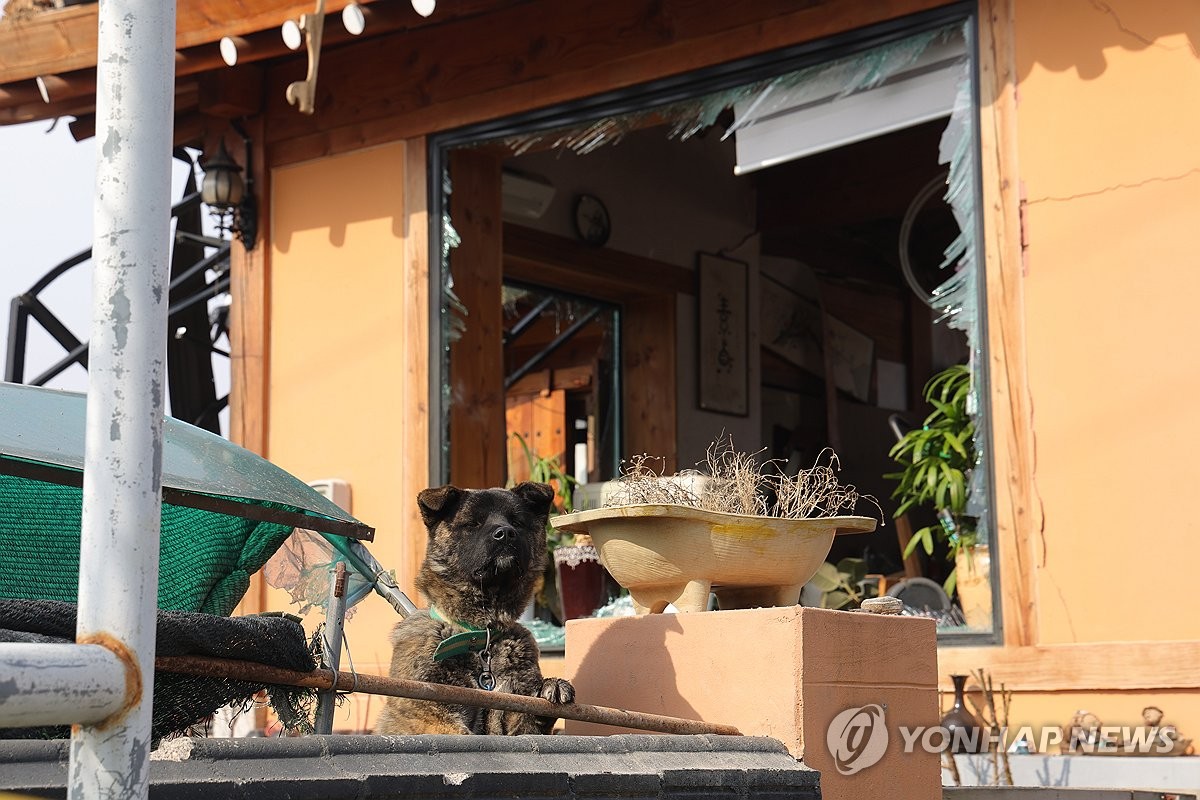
648, 377
186, 96
250, 318
566, 264
415, 399
477, 435
1092, 666
197, 54
250, 342
61, 40
443, 77
1017, 515
548, 380
233, 92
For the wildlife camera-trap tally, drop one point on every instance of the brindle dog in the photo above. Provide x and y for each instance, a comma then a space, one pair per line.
485, 552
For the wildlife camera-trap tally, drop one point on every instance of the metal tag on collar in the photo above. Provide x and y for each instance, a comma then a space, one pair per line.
486, 680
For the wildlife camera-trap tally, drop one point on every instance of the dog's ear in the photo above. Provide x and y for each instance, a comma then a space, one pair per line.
437, 504
538, 496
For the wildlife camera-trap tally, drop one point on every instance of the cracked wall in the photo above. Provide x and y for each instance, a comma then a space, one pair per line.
1108, 125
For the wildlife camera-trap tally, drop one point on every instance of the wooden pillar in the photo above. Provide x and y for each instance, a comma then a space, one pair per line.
648, 377
415, 475
477, 435
1019, 524
249, 337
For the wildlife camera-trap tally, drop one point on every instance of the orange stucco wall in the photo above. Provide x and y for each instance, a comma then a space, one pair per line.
1108, 125
1107, 128
337, 315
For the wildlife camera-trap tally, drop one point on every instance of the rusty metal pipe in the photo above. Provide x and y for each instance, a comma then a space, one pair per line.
438, 693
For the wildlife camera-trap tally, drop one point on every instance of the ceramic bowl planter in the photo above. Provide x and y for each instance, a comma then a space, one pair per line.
671, 554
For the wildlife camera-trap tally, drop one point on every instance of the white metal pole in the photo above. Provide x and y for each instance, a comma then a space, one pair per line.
122, 481
58, 684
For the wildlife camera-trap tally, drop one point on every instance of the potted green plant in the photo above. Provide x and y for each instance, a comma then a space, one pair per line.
936, 461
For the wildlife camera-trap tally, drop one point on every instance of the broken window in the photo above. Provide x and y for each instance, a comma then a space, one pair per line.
849, 186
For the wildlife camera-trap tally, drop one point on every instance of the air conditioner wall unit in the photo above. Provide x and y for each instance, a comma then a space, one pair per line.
524, 195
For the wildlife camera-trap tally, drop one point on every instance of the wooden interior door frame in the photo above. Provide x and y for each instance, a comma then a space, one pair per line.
646, 292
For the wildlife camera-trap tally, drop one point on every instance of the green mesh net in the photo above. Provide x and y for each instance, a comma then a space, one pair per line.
205, 558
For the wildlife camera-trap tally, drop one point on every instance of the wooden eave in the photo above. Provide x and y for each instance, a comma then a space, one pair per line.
63, 40
60, 45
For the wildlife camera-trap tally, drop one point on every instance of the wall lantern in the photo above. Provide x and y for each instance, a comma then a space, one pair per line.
230, 196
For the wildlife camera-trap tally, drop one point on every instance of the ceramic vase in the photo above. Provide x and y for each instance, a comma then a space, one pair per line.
583, 583
965, 731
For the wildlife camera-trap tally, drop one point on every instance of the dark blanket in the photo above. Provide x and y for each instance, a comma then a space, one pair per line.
182, 702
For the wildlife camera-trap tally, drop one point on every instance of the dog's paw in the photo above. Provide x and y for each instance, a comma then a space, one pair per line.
557, 691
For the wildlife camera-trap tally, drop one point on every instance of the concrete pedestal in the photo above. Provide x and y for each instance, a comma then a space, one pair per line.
786, 673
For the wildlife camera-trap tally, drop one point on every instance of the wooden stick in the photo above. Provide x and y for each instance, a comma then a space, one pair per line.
1006, 699
948, 755
992, 721
419, 690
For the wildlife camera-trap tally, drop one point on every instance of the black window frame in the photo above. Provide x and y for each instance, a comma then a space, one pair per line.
681, 88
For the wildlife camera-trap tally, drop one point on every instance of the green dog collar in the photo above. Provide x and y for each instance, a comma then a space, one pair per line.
473, 640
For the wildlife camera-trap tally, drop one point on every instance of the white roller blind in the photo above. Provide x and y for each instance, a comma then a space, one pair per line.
782, 124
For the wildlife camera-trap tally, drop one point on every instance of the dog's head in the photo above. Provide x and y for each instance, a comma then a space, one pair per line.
486, 548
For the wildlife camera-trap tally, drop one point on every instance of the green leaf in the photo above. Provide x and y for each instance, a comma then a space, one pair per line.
826, 578
958, 495
955, 443
911, 546
926, 535
951, 582
835, 600
855, 569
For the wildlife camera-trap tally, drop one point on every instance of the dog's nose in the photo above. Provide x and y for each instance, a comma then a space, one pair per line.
500, 534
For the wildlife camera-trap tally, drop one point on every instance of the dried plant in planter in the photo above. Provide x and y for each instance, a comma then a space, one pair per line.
640, 483
737, 528
817, 492
734, 482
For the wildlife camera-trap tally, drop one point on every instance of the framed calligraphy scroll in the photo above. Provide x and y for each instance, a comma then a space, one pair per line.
722, 315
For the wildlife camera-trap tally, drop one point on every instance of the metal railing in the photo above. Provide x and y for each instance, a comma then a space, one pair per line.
28, 307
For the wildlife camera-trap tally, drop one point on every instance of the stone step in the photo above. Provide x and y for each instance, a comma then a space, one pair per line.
352, 767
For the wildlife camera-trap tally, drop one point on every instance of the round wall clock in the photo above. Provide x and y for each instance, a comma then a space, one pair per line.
592, 224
